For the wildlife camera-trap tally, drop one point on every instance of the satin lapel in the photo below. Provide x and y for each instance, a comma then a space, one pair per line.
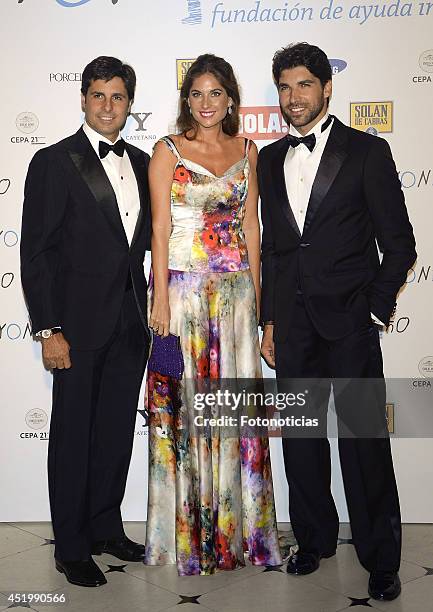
139, 167
91, 170
279, 182
332, 159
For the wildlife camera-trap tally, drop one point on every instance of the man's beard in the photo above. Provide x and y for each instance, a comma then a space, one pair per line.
304, 120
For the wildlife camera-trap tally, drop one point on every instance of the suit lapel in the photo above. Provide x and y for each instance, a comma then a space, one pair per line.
332, 159
91, 170
139, 167
279, 181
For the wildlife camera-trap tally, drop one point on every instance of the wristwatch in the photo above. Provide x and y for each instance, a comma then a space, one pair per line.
47, 333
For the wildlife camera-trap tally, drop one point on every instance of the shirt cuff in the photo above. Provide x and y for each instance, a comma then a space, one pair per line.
263, 323
376, 320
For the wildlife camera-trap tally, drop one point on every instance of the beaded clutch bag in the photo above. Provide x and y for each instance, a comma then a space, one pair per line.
166, 356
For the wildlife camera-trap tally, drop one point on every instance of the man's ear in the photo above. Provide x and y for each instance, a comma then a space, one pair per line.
83, 102
327, 90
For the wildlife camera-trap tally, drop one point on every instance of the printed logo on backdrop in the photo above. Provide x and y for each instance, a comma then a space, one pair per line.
65, 77
372, 117
418, 275
423, 384
425, 62
5, 183
193, 12
182, 66
35, 419
143, 430
337, 65
398, 326
262, 122
15, 331
416, 178
259, 11
8, 238
137, 127
425, 367
27, 123
6, 279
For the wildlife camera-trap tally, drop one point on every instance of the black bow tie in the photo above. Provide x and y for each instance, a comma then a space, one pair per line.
309, 141
118, 148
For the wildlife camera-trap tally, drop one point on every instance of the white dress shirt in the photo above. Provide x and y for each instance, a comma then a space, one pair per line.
300, 169
122, 178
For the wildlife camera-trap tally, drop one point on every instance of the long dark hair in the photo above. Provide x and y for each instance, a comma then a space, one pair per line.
223, 72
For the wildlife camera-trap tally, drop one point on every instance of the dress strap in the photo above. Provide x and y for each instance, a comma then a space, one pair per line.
247, 146
170, 144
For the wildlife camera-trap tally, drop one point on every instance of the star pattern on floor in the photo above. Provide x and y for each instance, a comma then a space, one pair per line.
116, 568
360, 602
48, 542
273, 568
344, 541
428, 571
189, 599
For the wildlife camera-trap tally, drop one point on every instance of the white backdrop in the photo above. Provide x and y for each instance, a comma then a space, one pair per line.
383, 61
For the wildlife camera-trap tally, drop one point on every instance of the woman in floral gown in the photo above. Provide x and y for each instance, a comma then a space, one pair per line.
210, 496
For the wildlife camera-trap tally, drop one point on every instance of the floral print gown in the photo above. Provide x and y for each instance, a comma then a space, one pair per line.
210, 497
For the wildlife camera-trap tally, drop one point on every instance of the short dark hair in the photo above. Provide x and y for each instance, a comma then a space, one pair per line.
302, 54
223, 72
106, 68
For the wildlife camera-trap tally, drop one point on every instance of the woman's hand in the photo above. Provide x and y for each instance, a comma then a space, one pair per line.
160, 318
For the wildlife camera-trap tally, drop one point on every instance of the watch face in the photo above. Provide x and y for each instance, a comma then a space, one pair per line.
47, 333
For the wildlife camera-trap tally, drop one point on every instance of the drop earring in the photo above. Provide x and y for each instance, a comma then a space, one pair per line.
230, 110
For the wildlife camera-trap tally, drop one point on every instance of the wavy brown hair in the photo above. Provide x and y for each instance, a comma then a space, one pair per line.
223, 72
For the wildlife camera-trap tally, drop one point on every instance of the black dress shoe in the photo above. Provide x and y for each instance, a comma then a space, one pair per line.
384, 586
302, 563
83, 573
122, 548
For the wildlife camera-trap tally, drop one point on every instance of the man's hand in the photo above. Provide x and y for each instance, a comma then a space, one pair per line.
55, 352
267, 348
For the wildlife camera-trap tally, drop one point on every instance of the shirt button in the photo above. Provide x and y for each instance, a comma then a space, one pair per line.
301, 179
121, 178
127, 214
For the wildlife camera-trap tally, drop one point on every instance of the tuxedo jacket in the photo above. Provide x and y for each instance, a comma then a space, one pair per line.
356, 204
75, 256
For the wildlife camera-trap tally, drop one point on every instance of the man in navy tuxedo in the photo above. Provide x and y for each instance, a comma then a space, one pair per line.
330, 194
85, 230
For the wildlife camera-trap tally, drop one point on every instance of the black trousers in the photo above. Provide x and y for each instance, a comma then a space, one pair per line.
91, 436
366, 463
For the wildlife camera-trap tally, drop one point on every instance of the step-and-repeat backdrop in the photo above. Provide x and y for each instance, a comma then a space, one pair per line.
382, 60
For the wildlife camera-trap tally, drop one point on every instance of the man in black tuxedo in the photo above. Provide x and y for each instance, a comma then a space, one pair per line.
328, 194
85, 230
